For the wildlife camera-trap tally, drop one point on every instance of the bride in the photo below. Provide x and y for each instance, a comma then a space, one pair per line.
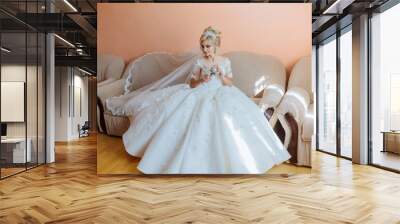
203, 126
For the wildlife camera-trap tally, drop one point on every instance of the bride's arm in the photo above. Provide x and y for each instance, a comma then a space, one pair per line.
194, 83
196, 78
226, 80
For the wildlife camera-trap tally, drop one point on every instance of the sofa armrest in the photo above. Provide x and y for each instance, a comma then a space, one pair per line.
308, 124
296, 102
100, 116
272, 96
105, 82
115, 88
109, 66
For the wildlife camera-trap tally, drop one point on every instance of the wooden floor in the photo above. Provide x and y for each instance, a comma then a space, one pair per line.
387, 159
113, 159
10, 171
69, 191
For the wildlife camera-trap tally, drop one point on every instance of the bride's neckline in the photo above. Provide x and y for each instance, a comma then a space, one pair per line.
208, 62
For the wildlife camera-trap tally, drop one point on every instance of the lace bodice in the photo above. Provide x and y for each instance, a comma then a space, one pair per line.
202, 68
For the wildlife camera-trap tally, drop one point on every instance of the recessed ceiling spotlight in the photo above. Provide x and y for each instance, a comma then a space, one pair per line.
84, 71
70, 5
5, 50
64, 40
337, 7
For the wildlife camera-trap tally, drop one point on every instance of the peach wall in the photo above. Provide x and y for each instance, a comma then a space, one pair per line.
130, 30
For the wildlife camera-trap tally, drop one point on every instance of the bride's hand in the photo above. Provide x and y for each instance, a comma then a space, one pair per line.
219, 71
206, 78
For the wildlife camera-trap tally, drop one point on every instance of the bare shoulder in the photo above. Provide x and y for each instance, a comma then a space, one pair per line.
226, 60
223, 60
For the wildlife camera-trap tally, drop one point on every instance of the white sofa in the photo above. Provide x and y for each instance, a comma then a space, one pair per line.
295, 113
257, 75
253, 73
261, 77
109, 68
110, 82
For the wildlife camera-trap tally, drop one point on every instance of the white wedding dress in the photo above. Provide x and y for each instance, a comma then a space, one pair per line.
210, 129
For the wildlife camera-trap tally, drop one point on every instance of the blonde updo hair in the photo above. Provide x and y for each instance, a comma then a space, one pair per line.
210, 33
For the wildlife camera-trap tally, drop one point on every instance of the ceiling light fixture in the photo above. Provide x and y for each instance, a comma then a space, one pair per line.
337, 7
79, 51
5, 49
64, 40
70, 5
84, 71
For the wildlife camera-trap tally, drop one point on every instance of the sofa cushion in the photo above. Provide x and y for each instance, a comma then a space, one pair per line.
301, 76
114, 88
253, 72
109, 66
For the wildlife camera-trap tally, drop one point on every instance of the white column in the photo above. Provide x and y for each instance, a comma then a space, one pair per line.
314, 90
63, 101
50, 98
360, 90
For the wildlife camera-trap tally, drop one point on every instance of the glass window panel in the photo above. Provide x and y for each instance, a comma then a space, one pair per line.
22, 87
41, 98
13, 86
31, 97
346, 94
385, 114
327, 96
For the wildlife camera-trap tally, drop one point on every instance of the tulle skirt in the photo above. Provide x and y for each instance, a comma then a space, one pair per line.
210, 129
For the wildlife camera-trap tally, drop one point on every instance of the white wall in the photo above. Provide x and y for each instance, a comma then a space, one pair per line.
80, 83
61, 104
17, 73
35, 123
69, 85
14, 73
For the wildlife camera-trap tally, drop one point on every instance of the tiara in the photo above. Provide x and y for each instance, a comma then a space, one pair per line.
209, 33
